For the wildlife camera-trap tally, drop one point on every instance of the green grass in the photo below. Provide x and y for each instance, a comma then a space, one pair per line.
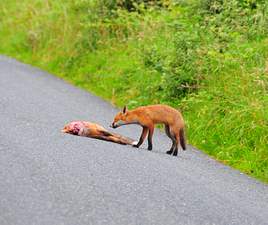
211, 65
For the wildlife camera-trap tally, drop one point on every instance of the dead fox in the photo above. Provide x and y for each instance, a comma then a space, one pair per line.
147, 117
93, 130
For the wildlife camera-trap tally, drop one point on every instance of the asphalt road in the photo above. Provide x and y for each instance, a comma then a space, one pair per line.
51, 178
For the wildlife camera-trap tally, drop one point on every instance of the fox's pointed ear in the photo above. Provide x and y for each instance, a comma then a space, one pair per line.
124, 109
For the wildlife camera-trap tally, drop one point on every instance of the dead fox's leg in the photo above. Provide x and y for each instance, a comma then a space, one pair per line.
150, 137
126, 140
173, 142
110, 138
142, 137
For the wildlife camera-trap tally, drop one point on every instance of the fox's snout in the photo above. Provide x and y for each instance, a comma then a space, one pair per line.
114, 125
118, 123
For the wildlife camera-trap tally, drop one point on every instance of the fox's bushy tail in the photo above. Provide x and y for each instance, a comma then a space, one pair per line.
182, 139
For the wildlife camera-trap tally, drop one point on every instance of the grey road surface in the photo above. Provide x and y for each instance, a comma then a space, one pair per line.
51, 178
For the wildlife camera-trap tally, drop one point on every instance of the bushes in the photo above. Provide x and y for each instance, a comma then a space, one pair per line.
181, 75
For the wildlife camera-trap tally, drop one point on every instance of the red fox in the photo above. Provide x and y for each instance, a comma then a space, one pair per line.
147, 117
93, 130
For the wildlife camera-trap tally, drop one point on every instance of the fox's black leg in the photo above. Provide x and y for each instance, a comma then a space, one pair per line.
142, 137
176, 146
150, 137
173, 140
172, 147
175, 151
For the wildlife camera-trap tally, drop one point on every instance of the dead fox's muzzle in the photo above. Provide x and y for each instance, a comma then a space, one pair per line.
64, 130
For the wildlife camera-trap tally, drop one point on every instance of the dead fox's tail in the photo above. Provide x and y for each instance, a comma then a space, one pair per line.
182, 139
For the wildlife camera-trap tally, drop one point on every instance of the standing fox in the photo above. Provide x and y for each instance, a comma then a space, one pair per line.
147, 117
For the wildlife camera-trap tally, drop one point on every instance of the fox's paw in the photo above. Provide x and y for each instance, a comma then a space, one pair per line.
169, 152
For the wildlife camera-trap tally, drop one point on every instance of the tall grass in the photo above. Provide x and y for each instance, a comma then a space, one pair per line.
207, 57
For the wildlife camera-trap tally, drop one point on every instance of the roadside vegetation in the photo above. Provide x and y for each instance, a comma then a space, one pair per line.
208, 58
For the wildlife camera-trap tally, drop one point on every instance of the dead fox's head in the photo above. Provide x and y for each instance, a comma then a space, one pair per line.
73, 128
120, 118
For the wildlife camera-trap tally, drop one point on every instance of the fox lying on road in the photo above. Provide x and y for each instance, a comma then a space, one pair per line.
147, 117
93, 130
